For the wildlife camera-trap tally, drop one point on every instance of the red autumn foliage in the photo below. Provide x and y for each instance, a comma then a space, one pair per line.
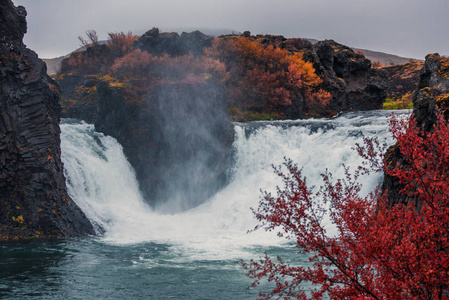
83, 63
137, 63
184, 69
359, 53
379, 251
318, 100
121, 42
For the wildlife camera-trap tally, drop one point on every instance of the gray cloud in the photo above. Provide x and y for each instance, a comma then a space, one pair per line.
410, 28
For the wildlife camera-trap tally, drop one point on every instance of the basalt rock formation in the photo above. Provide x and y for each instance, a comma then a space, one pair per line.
348, 76
33, 196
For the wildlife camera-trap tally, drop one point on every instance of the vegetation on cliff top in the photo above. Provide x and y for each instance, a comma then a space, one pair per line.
260, 80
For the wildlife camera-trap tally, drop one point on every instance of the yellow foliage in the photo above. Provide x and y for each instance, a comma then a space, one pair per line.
18, 219
112, 82
86, 90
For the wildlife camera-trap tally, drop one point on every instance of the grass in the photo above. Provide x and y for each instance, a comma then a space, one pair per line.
405, 102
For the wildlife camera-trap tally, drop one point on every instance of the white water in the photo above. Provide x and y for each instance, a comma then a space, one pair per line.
103, 184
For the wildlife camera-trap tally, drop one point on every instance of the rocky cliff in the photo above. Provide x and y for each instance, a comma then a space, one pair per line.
431, 94
403, 79
433, 90
33, 196
348, 76
178, 139
176, 136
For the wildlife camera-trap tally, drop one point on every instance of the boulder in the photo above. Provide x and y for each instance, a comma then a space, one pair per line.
348, 76
171, 43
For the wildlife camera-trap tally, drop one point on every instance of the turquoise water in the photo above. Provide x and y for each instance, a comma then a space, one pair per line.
91, 269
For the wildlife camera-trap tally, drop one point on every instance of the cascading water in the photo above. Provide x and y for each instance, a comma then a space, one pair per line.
144, 254
102, 182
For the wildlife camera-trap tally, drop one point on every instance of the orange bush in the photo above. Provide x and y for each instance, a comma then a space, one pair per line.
121, 42
268, 77
184, 69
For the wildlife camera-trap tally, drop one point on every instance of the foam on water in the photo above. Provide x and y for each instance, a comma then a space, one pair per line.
103, 184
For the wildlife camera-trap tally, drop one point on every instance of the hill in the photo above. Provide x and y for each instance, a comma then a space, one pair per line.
385, 58
54, 64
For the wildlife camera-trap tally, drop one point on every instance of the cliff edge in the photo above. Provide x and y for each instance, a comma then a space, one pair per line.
33, 196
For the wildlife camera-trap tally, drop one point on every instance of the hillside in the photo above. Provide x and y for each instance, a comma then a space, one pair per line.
384, 58
54, 64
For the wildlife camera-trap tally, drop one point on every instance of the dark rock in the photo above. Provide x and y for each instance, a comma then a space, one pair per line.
33, 196
177, 136
79, 104
348, 76
195, 42
391, 185
13, 26
432, 92
158, 43
404, 78
178, 140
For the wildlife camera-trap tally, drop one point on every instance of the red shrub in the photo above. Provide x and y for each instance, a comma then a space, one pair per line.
379, 252
137, 63
121, 42
141, 64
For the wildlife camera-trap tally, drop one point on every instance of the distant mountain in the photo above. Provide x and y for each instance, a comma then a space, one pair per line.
54, 64
384, 58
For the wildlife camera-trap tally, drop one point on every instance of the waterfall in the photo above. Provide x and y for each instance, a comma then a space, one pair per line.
103, 184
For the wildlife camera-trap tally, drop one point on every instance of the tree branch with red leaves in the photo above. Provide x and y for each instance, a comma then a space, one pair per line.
379, 251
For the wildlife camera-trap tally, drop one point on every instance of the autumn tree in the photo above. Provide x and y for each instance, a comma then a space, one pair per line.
92, 39
264, 77
379, 251
121, 42
95, 59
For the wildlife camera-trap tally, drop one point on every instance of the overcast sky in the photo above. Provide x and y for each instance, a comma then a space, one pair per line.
410, 28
